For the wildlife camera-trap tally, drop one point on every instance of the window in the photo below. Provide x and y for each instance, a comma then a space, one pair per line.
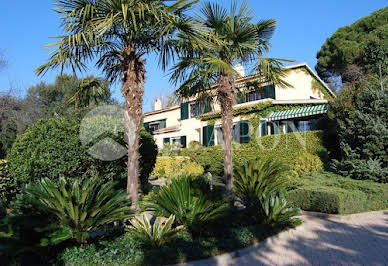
153, 127
303, 126
254, 96
195, 109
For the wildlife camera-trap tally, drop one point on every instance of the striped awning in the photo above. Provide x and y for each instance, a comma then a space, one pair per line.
300, 112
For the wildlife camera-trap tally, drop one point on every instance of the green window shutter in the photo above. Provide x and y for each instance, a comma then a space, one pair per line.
275, 127
207, 107
289, 128
166, 141
183, 141
184, 111
269, 91
147, 126
244, 131
240, 97
162, 123
263, 128
208, 135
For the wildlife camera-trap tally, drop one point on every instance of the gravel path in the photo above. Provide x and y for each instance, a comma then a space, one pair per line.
360, 239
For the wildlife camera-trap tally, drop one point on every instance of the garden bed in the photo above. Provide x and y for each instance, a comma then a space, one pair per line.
126, 250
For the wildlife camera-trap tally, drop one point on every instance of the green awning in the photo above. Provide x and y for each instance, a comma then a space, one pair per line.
300, 112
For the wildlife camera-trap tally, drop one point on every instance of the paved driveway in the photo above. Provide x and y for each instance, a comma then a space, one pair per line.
360, 239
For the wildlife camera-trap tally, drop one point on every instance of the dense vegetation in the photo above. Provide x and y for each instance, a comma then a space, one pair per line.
330, 193
291, 149
66, 96
355, 50
52, 148
357, 138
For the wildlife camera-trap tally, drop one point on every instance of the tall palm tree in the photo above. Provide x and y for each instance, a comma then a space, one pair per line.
90, 90
118, 34
231, 38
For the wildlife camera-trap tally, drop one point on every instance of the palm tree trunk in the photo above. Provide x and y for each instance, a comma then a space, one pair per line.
133, 90
226, 98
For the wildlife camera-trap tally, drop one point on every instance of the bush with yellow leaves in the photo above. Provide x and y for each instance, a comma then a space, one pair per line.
176, 166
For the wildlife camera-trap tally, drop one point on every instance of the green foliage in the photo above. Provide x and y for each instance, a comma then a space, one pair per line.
362, 131
171, 167
331, 193
128, 250
285, 148
364, 43
192, 211
155, 235
78, 207
52, 148
68, 94
306, 163
3, 211
257, 185
7, 188
277, 210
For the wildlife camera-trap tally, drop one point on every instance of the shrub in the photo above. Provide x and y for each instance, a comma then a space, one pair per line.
3, 211
306, 163
52, 148
78, 207
7, 188
331, 193
154, 235
258, 184
277, 210
191, 211
284, 147
168, 167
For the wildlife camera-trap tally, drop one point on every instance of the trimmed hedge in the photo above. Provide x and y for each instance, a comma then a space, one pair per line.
330, 193
284, 147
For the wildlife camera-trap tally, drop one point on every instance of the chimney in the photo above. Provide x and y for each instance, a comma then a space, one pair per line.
158, 104
240, 69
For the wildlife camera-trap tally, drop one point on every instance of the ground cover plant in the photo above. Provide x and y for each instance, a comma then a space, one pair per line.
331, 193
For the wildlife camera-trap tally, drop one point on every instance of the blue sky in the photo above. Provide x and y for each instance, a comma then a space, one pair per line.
303, 26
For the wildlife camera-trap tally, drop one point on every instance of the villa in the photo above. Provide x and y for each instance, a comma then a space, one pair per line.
274, 109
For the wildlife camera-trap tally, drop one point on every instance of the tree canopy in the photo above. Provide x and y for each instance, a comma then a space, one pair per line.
358, 49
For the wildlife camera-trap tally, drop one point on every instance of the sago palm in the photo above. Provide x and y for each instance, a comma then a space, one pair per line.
231, 38
78, 207
117, 34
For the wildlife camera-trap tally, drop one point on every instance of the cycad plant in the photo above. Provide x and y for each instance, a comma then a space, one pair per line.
156, 234
77, 207
276, 210
117, 34
257, 179
191, 211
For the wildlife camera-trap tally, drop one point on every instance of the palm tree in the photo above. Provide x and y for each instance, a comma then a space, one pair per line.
90, 90
118, 34
232, 38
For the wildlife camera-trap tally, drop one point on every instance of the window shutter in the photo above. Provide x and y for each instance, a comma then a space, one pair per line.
184, 111
274, 127
183, 141
289, 128
208, 135
240, 97
264, 128
147, 126
269, 91
244, 131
